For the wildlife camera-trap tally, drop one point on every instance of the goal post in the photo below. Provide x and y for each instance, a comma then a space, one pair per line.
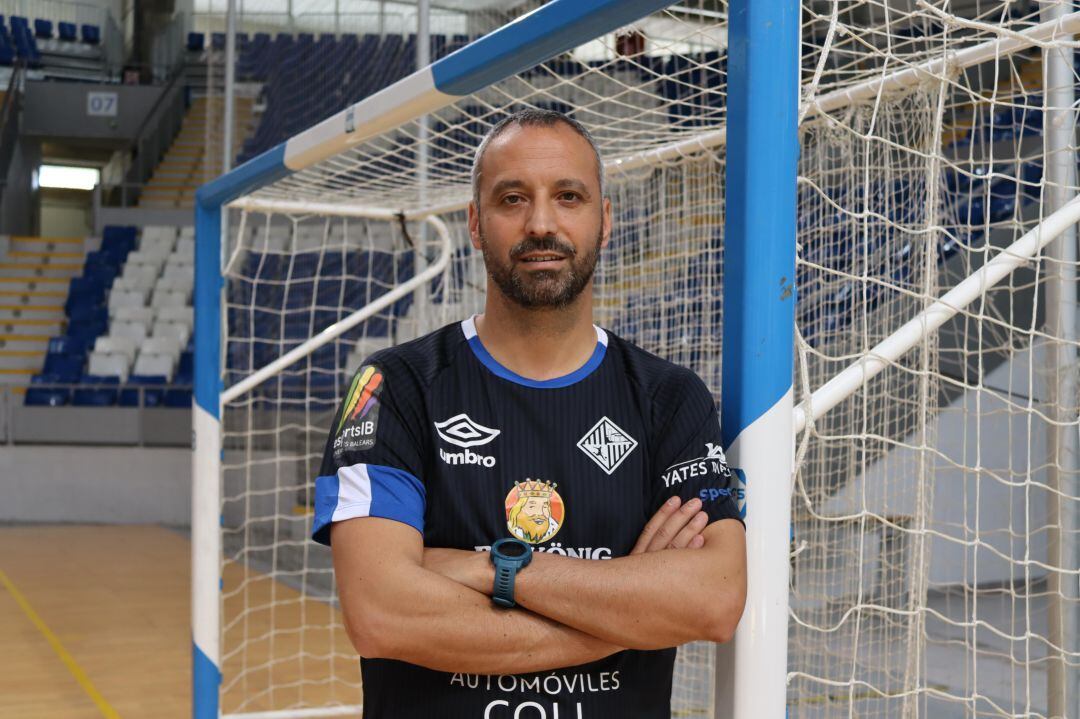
758, 340
856, 224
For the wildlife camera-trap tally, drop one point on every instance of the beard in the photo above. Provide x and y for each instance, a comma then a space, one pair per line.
533, 532
549, 289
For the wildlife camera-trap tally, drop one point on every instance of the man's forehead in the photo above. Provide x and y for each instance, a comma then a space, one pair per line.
539, 150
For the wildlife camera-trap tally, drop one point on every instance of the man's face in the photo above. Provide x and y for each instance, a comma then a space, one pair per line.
535, 517
541, 221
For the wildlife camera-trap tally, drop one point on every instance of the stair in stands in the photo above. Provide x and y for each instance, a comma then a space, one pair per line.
194, 157
34, 277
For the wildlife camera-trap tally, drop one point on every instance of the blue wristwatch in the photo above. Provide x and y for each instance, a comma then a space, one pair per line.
509, 556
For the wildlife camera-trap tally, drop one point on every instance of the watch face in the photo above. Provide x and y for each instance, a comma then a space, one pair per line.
513, 550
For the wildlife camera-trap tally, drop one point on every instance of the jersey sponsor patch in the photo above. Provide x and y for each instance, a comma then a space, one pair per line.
534, 511
607, 444
360, 415
713, 463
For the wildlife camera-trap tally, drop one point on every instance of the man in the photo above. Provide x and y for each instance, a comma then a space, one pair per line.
530, 432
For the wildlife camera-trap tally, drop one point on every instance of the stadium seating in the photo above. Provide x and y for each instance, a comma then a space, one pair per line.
129, 327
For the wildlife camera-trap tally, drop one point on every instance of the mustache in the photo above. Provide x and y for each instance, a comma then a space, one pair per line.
547, 243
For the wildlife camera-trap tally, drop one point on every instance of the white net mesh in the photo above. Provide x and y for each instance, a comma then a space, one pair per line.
934, 508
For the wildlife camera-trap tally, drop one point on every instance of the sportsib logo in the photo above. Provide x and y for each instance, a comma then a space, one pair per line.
466, 457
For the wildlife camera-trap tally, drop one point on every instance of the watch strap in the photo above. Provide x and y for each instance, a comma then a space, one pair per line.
503, 592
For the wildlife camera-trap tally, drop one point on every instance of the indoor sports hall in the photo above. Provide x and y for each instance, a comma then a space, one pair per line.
855, 221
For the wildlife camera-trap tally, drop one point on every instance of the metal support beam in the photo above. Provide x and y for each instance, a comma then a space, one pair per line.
1062, 475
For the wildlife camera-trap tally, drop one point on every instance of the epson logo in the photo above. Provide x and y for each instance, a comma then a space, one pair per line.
466, 457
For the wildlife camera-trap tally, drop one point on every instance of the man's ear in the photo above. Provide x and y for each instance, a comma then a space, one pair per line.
474, 225
605, 228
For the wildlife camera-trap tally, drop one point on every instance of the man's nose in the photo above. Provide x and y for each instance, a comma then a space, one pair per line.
541, 220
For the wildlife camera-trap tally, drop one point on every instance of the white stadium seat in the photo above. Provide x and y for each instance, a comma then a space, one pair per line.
140, 277
136, 331
183, 315
150, 364
143, 257
126, 284
116, 345
186, 231
108, 365
143, 315
159, 232
126, 298
178, 331
168, 298
177, 283
175, 270
163, 344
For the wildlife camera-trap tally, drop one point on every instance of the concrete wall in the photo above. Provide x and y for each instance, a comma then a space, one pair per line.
117, 485
66, 213
59, 110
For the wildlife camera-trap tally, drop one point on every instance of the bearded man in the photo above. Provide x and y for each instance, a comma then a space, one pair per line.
461, 419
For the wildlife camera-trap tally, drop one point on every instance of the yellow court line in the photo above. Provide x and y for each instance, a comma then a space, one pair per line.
72, 666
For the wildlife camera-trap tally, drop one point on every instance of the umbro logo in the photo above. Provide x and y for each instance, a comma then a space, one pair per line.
607, 444
464, 432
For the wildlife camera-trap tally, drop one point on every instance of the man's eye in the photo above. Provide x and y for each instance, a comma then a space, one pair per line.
569, 197
512, 199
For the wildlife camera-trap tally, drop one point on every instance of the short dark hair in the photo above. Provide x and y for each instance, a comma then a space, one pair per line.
532, 117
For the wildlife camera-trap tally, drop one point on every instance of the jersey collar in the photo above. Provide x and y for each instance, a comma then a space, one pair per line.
468, 327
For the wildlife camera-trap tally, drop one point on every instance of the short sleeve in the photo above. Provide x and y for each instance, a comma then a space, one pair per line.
372, 466
689, 459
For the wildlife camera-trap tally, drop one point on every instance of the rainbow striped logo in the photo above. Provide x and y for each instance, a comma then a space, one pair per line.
363, 395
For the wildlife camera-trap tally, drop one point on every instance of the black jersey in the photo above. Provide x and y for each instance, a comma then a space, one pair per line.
436, 434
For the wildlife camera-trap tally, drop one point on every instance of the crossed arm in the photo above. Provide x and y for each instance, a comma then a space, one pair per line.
431, 606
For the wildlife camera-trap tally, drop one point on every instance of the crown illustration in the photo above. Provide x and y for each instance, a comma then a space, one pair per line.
535, 488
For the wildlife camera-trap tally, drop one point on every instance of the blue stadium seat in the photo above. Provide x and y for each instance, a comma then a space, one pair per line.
43, 29
47, 397
150, 387
68, 31
91, 34
63, 368
151, 397
196, 41
67, 344
185, 370
217, 41
94, 397
178, 398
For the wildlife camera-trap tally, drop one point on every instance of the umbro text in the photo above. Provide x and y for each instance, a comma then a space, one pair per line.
466, 457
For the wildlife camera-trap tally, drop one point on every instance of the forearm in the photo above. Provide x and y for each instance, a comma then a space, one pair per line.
442, 625
643, 601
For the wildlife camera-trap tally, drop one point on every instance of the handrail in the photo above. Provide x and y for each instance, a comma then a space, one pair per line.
9, 112
143, 133
942, 310
339, 328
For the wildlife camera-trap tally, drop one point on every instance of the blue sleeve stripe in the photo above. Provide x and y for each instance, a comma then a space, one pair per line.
367, 490
326, 500
542, 34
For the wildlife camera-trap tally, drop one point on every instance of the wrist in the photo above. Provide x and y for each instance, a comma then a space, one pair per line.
483, 575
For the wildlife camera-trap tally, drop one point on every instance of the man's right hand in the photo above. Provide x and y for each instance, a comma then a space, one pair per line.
674, 526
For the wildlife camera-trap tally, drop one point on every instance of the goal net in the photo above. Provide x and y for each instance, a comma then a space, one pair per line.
935, 498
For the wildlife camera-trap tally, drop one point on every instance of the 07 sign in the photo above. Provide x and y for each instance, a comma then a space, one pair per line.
101, 104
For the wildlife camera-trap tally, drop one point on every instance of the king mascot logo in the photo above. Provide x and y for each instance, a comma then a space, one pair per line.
534, 511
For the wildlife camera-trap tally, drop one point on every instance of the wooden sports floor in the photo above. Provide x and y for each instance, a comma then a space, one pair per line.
95, 622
